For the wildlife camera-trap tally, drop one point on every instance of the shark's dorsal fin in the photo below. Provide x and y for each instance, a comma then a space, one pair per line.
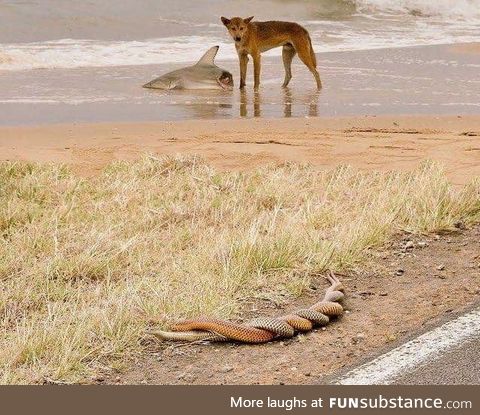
209, 57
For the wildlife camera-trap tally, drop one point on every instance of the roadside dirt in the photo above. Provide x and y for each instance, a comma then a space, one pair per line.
415, 280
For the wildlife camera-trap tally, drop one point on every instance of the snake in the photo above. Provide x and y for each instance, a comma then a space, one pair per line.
261, 329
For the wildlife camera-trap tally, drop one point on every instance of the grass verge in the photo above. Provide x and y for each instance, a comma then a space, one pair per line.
87, 264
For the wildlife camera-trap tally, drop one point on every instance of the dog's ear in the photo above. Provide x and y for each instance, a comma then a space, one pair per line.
248, 19
225, 21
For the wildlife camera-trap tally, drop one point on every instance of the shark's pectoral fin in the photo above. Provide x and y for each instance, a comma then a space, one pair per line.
160, 83
209, 57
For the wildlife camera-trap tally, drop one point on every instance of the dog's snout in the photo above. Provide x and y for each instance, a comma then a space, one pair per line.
238, 38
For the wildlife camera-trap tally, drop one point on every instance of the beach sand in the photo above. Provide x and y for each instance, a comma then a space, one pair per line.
368, 142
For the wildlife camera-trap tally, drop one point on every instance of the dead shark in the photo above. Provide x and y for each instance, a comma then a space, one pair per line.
203, 75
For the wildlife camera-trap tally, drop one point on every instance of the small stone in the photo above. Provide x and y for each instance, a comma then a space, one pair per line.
409, 245
383, 294
422, 244
441, 267
361, 336
308, 374
399, 271
186, 377
226, 369
459, 225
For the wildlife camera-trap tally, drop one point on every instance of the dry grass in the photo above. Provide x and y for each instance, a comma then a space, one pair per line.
87, 264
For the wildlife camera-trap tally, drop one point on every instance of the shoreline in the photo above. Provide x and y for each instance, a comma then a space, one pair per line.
370, 143
438, 79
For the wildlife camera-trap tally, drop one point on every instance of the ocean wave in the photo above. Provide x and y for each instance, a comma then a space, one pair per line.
73, 53
373, 24
448, 8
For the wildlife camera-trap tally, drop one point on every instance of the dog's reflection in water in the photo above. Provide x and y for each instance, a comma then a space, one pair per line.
304, 104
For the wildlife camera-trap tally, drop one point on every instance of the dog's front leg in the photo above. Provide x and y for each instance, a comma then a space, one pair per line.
256, 70
243, 57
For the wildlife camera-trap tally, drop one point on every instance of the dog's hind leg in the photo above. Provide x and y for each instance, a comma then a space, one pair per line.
307, 56
288, 53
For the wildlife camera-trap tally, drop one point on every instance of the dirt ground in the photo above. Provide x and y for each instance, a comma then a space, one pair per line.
413, 282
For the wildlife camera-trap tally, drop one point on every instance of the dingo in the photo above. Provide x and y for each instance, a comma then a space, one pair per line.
253, 38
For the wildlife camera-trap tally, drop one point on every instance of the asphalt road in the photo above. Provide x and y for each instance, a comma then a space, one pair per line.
448, 354
459, 366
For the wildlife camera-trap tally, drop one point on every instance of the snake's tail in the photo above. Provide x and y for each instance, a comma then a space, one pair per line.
189, 336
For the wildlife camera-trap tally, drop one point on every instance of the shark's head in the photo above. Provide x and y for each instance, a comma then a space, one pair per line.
237, 27
225, 80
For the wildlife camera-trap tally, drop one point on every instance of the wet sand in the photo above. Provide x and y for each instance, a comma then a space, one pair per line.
369, 143
417, 80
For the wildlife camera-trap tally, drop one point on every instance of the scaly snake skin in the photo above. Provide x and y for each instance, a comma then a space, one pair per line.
264, 329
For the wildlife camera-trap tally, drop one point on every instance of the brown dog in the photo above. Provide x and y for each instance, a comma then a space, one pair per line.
253, 38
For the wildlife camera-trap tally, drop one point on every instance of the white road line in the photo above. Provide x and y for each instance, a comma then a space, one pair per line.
384, 369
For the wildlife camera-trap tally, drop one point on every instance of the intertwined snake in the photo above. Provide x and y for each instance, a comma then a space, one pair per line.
264, 329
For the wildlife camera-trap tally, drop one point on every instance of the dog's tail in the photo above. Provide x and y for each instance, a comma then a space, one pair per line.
312, 52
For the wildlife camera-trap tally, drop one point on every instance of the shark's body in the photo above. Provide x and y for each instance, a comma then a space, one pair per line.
203, 75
